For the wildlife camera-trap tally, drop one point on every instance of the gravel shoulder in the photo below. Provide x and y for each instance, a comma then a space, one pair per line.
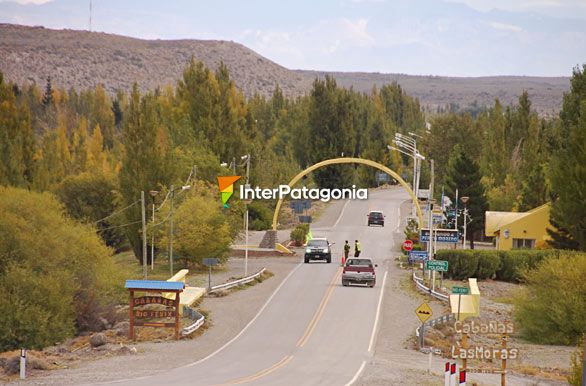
395, 361
228, 316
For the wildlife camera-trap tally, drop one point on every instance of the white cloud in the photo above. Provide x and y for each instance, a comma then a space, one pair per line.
568, 8
305, 43
24, 2
505, 27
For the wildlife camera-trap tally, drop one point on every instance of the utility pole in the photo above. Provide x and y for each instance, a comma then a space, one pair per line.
465, 201
153, 239
584, 363
90, 15
172, 196
144, 235
431, 236
153, 194
456, 218
246, 214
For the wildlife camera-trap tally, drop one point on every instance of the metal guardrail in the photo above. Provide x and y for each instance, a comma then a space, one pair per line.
192, 314
438, 295
437, 321
237, 282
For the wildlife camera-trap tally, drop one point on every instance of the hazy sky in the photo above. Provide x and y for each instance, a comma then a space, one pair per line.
437, 37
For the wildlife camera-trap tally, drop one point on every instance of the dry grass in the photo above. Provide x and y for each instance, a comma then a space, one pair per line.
30, 54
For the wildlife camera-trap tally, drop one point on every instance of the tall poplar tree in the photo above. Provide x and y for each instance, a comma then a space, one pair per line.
143, 163
568, 169
464, 174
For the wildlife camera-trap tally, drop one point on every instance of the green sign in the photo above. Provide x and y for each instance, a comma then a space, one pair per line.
460, 290
436, 265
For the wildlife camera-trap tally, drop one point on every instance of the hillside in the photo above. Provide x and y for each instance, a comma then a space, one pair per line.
82, 59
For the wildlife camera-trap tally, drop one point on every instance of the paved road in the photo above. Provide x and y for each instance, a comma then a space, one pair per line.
312, 331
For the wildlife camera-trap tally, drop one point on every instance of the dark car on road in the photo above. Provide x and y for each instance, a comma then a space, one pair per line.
376, 218
318, 249
359, 271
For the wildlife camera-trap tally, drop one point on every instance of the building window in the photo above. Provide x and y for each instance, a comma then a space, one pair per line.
523, 243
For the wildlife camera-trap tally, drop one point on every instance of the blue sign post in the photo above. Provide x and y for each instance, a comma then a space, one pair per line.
415, 256
440, 235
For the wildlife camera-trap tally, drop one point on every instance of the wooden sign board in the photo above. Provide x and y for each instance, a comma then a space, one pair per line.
153, 314
154, 324
153, 305
145, 300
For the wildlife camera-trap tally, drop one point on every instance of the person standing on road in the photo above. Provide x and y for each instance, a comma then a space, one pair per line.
357, 249
346, 250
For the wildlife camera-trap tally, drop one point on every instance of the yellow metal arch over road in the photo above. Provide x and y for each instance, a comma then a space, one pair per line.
349, 160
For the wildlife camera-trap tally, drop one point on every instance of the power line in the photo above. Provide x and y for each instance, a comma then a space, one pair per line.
159, 223
116, 212
164, 201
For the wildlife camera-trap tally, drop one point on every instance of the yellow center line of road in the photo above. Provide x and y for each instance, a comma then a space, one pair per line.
261, 373
308, 331
320, 310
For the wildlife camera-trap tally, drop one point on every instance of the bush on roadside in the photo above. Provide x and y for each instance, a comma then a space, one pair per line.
51, 268
299, 233
202, 230
261, 216
552, 307
462, 264
90, 197
577, 366
486, 264
412, 230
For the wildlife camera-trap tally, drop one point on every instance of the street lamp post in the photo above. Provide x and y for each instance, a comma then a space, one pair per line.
171, 225
417, 158
465, 201
246, 158
144, 234
153, 194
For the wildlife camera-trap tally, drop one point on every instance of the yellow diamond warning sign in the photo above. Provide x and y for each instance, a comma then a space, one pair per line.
424, 312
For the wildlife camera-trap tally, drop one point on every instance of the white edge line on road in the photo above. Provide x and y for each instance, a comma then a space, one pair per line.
218, 350
398, 217
341, 214
249, 323
357, 374
380, 301
399, 214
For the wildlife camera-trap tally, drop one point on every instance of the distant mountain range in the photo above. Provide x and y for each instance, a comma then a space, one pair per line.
83, 59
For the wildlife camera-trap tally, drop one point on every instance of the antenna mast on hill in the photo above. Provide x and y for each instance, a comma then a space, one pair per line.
90, 15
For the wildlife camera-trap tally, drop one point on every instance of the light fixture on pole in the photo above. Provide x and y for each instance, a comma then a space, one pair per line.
153, 194
465, 200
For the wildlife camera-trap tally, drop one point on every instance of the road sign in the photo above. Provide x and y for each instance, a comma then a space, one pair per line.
417, 256
436, 265
424, 312
460, 290
210, 261
440, 235
407, 245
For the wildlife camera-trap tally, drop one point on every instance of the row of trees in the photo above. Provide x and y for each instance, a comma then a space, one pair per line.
505, 158
97, 152
511, 159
